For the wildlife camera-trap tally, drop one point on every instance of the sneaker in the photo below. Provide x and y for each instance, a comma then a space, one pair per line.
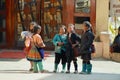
44, 71
31, 69
82, 72
35, 71
54, 71
68, 72
75, 72
88, 73
62, 71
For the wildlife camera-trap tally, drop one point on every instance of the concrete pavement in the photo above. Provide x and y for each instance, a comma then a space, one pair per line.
17, 69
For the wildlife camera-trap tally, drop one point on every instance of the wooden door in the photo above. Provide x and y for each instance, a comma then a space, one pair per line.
5, 24
3, 31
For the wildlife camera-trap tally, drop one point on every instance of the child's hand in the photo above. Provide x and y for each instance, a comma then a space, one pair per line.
60, 43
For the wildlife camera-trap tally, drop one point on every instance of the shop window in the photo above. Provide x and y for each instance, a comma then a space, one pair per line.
26, 12
79, 21
2, 4
2, 38
82, 6
2, 22
52, 18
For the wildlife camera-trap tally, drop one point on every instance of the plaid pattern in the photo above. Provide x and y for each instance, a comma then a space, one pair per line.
33, 54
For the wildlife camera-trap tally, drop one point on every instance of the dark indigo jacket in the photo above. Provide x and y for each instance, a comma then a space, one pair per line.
86, 42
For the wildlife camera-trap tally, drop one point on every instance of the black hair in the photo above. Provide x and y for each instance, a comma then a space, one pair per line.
119, 28
87, 24
35, 29
33, 24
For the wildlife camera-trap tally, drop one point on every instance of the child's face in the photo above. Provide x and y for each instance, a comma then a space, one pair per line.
62, 30
84, 27
39, 30
31, 26
70, 29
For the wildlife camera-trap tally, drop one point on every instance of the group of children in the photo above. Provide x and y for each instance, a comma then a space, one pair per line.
65, 41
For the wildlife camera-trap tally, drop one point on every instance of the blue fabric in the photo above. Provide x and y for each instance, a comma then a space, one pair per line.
86, 42
41, 51
116, 44
60, 38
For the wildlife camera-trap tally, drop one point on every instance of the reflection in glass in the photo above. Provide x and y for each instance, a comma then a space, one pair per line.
2, 22
26, 12
79, 21
52, 18
2, 37
2, 4
82, 6
19, 30
29, 17
33, 5
21, 4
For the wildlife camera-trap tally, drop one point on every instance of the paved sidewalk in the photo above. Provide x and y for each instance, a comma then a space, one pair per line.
17, 69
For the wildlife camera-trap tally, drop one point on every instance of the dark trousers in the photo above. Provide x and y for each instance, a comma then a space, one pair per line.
74, 62
59, 57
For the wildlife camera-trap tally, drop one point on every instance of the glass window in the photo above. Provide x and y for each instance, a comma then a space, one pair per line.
2, 37
79, 21
82, 6
2, 4
21, 4
52, 18
2, 22
26, 11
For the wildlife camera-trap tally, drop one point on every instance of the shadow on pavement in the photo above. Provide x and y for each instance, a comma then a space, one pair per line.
100, 59
93, 76
10, 60
15, 71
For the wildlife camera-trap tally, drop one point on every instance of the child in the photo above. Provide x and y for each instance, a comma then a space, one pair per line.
72, 39
85, 48
34, 54
60, 41
27, 35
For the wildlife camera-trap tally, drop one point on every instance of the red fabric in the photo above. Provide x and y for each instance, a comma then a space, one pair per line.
26, 50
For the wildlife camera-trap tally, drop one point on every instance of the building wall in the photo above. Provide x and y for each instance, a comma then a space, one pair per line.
102, 14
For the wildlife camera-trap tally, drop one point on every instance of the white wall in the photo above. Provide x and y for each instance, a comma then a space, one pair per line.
102, 14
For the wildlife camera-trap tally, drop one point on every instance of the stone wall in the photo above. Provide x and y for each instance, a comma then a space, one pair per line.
98, 50
115, 57
102, 15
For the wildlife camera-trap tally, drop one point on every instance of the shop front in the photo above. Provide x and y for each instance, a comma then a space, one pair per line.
16, 15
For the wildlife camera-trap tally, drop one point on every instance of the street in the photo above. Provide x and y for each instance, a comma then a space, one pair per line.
17, 69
